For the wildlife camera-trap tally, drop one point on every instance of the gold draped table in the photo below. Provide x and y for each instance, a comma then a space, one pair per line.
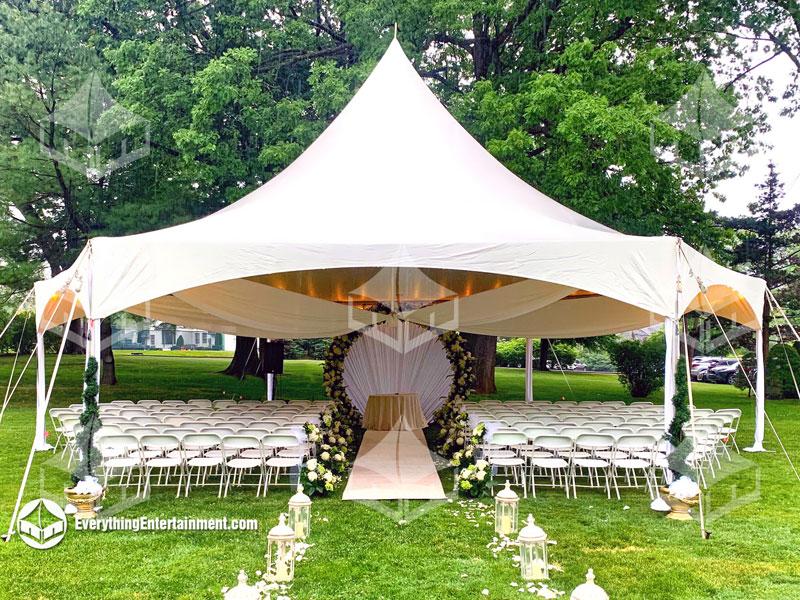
388, 412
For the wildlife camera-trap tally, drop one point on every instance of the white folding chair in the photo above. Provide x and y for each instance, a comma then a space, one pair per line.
592, 456
238, 467
554, 467
634, 454
164, 445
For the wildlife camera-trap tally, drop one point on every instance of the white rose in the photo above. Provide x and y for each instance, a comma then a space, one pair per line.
481, 464
460, 441
312, 464
328, 476
481, 475
325, 456
312, 476
341, 441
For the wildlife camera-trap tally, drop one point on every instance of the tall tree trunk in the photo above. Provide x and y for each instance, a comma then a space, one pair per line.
544, 350
245, 358
108, 374
76, 337
484, 350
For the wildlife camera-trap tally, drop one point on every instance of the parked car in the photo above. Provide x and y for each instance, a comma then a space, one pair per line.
577, 366
701, 364
724, 371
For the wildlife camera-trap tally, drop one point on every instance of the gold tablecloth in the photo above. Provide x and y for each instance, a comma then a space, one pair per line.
387, 412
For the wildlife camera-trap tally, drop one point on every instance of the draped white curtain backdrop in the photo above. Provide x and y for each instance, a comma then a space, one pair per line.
398, 358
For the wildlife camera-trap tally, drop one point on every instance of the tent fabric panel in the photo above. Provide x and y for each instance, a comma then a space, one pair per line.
571, 318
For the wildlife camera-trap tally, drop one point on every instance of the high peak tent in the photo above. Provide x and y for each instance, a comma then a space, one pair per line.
395, 203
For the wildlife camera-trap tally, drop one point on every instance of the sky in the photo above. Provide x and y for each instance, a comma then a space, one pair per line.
784, 137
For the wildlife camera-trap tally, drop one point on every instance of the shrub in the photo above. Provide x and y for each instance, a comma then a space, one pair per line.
596, 360
640, 364
511, 353
779, 383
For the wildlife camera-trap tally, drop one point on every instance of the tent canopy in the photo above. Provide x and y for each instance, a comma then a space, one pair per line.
395, 203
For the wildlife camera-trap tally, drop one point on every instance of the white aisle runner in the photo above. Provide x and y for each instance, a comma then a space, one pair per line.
394, 465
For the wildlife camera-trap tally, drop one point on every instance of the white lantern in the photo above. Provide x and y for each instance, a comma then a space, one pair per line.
243, 591
589, 590
533, 551
506, 504
300, 514
280, 555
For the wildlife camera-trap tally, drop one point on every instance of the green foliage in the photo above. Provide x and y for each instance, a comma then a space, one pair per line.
179, 343
596, 360
566, 353
89, 425
310, 348
779, 382
511, 352
640, 364
767, 239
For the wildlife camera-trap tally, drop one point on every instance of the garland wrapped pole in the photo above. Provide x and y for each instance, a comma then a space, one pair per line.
90, 424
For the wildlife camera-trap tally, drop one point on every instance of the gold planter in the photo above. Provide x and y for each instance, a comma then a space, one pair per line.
85, 503
679, 506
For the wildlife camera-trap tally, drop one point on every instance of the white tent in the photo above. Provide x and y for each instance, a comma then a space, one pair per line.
396, 203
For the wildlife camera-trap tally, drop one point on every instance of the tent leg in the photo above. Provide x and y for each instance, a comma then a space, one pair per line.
528, 369
270, 386
758, 440
94, 347
40, 441
670, 366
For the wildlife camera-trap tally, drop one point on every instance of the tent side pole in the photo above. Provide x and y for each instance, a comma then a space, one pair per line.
758, 438
670, 366
528, 369
40, 441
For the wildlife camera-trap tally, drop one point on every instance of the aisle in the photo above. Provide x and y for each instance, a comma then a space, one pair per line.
394, 465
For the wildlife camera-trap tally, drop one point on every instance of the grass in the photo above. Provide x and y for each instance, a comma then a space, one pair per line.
754, 551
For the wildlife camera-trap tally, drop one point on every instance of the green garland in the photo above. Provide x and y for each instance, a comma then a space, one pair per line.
90, 423
675, 436
453, 423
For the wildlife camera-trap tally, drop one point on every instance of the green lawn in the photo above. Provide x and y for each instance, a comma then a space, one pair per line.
754, 551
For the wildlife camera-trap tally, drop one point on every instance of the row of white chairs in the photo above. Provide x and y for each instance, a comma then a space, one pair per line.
712, 436
214, 457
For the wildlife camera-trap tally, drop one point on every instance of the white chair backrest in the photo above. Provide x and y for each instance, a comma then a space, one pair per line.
508, 438
127, 443
280, 440
161, 442
594, 442
201, 441
241, 442
553, 442
634, 443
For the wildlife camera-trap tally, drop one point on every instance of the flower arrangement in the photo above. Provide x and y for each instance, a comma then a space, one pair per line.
473, 475
452, 422
340, 419
322, 475
684, 488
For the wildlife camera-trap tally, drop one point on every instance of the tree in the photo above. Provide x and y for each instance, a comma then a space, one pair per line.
245, 359
640, 364
767, 242
564, 93
484, 350
751, 34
